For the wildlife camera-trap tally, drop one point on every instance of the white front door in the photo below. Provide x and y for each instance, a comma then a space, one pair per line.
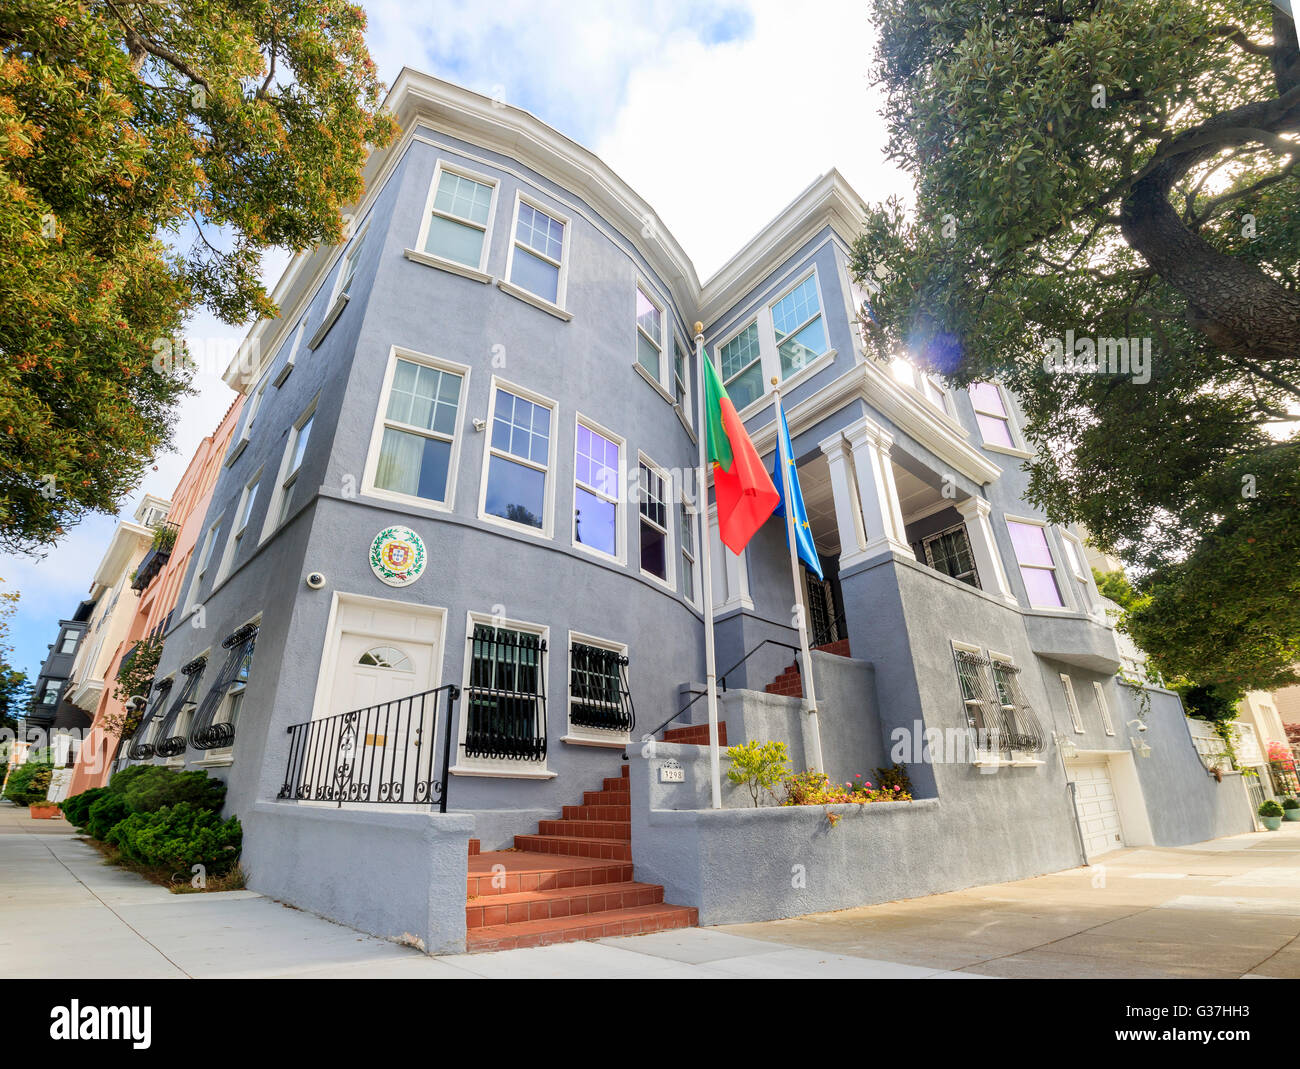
1094, 800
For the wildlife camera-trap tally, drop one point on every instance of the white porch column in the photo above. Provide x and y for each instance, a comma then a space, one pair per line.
882, 514
848, 509
988, 561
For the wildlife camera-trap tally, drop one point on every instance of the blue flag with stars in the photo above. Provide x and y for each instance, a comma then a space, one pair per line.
802, 531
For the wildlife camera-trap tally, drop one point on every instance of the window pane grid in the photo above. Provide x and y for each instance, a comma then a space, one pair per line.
538, 231
462, 198
521, 428
597, 463
741, 351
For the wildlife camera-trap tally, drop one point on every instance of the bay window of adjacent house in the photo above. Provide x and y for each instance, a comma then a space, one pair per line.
1037, 568
649, 335
949, 552
800, 329
418, 436
653, 508
459, 220
991, 414
537, 255
518, 463
741, 366
69, 644
596, 492
686, 542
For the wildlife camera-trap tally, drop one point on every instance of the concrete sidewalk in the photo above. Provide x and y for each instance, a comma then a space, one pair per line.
1224, 908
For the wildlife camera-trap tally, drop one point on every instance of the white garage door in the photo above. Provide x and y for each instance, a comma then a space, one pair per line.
1094, 799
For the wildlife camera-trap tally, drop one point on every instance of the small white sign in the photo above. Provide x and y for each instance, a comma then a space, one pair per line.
671, 772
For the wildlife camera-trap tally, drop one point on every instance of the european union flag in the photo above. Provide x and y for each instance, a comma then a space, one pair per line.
803, 537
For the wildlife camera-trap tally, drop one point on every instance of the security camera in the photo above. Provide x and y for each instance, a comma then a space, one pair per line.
316, 580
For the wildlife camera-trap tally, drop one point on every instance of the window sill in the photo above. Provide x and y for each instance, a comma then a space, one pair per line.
657, 581
392, 497
991, 761
284, 374
531, 298
540, 533
658, 388
175, 762
690, 431
621, 562
236, 450
339, 304
615, 743
431, 260
501, 773
217, 759
1011, 451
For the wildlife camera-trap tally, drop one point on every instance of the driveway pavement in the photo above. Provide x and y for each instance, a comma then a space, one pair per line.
1229, 907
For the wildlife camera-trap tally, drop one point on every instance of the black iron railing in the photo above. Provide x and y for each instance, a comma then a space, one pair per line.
505, 704
600, 697
383, 754
140, 749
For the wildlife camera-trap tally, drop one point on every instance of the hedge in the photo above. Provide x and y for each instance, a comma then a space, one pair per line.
179, 837
29, 783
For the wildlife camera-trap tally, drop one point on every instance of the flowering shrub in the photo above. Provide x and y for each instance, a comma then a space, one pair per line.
816, 788
1281, 755
758, 765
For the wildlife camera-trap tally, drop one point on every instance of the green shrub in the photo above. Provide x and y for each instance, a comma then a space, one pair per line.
759, 766
77, 808
29, 783
105, 811
1270, 809
1290, 803
895, 780
123, 779
179, 837
158, 787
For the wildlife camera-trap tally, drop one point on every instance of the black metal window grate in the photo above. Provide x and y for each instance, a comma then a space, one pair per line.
141, 749
505, 708
209, 733
599, 696
172, 743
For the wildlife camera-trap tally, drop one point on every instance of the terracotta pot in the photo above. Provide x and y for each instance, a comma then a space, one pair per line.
43, 811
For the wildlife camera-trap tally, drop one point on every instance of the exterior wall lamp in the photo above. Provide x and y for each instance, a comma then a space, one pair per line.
1139, 747
1069, 751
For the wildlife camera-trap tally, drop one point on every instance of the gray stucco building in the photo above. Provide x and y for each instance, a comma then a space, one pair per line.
462, 503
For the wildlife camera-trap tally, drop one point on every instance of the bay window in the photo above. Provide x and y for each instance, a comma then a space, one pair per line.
1037, 567
414, 455
597, 500
516, 485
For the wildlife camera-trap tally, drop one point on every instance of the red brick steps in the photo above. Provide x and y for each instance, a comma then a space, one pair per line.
572, 880
789, 683
696, 734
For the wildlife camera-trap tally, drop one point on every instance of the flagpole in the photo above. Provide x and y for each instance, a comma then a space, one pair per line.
806, 676
702, 498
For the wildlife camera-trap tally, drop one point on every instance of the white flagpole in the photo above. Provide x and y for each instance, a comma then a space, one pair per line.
806, 676
702, 499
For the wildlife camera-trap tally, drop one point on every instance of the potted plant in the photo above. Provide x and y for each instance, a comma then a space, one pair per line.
1271, 814
1291, 808
43, 810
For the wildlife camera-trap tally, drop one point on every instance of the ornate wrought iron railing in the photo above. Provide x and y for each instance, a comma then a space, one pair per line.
505, 704
600, 696
383, 754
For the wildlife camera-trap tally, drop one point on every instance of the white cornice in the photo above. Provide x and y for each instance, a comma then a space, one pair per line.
125, 541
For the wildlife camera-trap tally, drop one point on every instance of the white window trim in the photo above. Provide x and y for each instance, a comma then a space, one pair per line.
669, 582
664, 381
585, 736
421, 255
1055, 569
495, 766
619, 500
288, 364
1071, 703
228, 554
557, 307
1017, 447
547, 530
693, 513
1091, 602
338, 300
368, 487
799, 280
686, 408
255, 399
273, 508
196, 582
1103, 707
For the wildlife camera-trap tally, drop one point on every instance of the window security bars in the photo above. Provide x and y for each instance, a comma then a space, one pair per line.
383, 754
205, 734
170, 742
598, 689
506, 703
1000, 717
140, 748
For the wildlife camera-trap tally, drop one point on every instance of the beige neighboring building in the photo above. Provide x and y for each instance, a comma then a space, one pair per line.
1287, 703
94, 670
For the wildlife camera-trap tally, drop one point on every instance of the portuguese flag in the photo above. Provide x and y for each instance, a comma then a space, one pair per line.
742, 486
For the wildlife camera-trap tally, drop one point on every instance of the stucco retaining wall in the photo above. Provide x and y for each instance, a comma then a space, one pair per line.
399, 876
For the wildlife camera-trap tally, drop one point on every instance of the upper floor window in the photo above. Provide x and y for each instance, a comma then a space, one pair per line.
1037, 567
949, 552
69, 644
519, 460
420, 406
597, 501
537, 252
992, 414
243, 514
1074, 557
741, 365
350, 261
649, 335
927, 385
459, 219
653, 507
294, 452
799, 327
682, 380
205, 559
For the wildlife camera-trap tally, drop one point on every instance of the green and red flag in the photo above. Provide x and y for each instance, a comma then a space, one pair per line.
743, 489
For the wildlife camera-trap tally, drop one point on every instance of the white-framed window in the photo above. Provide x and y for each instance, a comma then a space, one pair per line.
1103, 707
295, 450
949, 553
518, 460
503, 724
69, 643
250, 415
600, 707
293, 342
244, 513
205, 560
686, 548
457, 225
649, 334
993, 415
537, 251
798, 326
1037, 566
415, 446
927, 385
1071, 703
740, 364
1075, 558
682, 381
351, 259
653, 521
597, 490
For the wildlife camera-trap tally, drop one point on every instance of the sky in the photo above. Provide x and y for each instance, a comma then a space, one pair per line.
717, 113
